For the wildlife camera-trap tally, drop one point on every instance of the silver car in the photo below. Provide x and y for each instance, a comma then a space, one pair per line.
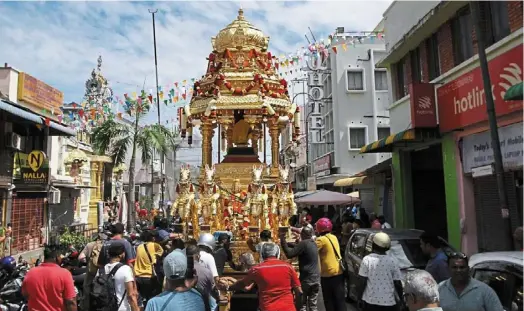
502, 271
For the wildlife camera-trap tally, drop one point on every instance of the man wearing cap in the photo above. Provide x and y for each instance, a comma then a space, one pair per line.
276, 281
380, 277
117, 231
222, 254
180, 294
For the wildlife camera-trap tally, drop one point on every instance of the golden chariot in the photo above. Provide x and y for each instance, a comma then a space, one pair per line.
242, 99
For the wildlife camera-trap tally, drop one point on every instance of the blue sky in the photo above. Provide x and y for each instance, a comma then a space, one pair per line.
59, 42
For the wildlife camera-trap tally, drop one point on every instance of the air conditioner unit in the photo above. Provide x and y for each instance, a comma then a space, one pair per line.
13, 141
54, 197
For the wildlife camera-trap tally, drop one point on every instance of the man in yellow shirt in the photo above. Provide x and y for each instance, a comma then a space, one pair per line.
146, 256
331, 273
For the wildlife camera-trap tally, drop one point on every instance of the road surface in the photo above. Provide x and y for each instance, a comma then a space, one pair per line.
321, 304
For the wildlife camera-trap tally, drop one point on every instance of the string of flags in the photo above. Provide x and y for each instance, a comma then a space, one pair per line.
335, 42
90, 113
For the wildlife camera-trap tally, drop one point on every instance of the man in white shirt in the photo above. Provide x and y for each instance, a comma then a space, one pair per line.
265, 237
125, 287
207, 243
381, 277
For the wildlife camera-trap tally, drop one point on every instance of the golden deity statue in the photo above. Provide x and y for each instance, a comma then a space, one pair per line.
257, 201
209, 204
186, 204
241, 133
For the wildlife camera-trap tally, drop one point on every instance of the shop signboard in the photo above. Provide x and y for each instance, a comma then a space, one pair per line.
461, 102
38, 94
317, 71
33, 167
477, 150
322, 166
311, 183
422, 102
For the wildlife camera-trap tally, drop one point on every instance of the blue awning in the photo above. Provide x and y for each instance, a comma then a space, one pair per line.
57, 129
6, 106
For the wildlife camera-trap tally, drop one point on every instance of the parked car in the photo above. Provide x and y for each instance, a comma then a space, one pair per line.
502, 271
405, 247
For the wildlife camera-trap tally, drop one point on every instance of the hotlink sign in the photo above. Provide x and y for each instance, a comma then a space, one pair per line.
316, 73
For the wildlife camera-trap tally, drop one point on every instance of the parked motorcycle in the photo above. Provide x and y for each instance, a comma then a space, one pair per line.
11, 298
78, 271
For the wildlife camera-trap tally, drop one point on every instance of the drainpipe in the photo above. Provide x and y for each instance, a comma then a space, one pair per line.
373, 93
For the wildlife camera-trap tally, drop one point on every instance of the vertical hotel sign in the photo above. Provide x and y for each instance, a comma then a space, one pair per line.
42, 97
316, 70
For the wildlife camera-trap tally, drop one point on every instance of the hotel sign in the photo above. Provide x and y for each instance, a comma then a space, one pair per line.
317, 71
39, 94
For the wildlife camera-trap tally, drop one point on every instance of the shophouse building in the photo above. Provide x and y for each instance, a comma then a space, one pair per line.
440, 143
29, 110
352, 113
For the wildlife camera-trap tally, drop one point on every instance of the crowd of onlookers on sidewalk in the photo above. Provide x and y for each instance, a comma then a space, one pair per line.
166, 273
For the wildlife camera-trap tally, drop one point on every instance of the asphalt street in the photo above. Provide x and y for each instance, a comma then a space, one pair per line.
321, 304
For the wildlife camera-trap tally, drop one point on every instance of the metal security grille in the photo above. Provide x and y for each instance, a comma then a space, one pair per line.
492, 232
27, 219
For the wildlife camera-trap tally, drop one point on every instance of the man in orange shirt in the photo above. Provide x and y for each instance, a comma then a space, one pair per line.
49, 287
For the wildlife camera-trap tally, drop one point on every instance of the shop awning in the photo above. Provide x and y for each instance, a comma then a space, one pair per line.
407, 136
514, 93
347, 182
8, 107
57, 129
354, 194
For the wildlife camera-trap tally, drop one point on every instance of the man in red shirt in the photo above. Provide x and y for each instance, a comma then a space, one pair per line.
49, 287
275, 280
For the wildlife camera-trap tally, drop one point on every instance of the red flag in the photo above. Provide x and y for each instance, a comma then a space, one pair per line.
176, 84
81, 113
184, 95
47, 121
335, 49
150, 98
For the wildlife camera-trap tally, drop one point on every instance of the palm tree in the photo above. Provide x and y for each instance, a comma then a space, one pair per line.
115, 138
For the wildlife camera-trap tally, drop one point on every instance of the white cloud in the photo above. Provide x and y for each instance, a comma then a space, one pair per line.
59, 42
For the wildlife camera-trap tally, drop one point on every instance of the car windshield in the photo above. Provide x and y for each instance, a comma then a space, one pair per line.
408, 253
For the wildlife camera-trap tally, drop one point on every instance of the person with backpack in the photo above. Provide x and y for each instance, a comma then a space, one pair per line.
114, 287
117, 230
49, 287
90, 255
180, 293
147, 254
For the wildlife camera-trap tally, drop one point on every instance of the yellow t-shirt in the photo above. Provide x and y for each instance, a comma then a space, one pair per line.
329, 265
143, 266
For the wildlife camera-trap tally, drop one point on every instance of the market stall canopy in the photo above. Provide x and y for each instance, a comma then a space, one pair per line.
325, 197
514, 93
351, 181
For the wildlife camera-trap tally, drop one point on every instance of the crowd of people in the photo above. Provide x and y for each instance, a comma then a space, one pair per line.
166, 272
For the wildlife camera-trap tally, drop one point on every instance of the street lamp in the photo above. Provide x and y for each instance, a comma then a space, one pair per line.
161, 205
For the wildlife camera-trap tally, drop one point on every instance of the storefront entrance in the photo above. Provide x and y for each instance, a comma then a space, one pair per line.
429, 198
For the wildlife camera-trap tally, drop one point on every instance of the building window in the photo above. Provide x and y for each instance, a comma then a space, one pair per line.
416, 69
383, 132
402, 89
137, 193
355, 80
462, 30
495, 20
433, 57
381, 80
357, 137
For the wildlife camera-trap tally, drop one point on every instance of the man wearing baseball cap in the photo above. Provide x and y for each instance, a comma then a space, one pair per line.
180, 294
381, 277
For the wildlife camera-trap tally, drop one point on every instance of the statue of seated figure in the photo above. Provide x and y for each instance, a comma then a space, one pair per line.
241, 134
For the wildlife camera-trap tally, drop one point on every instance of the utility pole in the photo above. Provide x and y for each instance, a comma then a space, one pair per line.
162, 186
492, 116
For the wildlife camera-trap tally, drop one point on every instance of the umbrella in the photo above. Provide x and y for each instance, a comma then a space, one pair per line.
354, 194
324, 197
